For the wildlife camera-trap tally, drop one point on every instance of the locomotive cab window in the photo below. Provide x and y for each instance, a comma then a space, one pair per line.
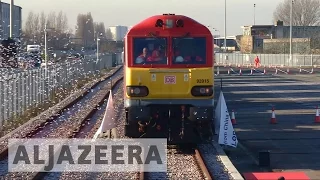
189, 50
150, 51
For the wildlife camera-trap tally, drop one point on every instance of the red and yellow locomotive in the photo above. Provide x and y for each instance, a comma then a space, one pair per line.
169, 78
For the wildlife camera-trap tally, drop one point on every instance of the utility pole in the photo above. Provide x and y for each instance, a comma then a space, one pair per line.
46, 29
225, 26
45, 46
291, 7
1, 24
254, 14
11, 18
98, 48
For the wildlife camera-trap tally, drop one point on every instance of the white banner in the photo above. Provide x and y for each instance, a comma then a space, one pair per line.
108, 121
227, 136
218, 114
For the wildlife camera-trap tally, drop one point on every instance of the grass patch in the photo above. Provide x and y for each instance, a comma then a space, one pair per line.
56, 97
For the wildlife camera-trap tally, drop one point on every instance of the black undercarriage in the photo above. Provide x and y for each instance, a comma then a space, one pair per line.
178, 123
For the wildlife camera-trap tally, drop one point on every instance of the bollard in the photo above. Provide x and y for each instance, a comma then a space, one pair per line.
264, 159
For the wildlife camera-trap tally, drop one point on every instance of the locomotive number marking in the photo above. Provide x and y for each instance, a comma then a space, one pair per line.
202, 80
153, 77
170, 79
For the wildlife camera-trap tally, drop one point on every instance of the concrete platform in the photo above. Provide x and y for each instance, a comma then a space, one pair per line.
294, 141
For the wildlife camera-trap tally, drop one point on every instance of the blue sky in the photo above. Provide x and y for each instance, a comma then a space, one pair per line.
129, 12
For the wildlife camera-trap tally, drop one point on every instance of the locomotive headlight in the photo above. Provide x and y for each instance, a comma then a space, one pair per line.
137, 91
202, 91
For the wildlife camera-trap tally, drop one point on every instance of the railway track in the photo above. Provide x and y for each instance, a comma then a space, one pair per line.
83, 129
79, 117
67, 122
185, 163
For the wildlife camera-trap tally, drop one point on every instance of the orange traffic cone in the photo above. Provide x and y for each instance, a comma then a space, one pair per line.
317, 118
233, 118
273, 119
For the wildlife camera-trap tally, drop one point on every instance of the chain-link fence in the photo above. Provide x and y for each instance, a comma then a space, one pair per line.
268, 59
21, 90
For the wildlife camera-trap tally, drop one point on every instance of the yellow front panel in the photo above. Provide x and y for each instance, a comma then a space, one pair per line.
169, 83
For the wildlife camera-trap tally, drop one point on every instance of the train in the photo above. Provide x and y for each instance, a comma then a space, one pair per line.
169, 80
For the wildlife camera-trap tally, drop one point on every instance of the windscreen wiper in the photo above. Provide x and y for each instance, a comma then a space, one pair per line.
179, 40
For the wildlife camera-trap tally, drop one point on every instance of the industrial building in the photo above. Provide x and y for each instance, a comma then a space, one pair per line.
118, 32
275, 38
5, 19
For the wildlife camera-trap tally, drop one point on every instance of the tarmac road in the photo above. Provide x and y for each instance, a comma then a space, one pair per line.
294, 141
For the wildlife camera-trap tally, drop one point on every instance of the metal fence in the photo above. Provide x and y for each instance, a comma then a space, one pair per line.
268, 59
20, 91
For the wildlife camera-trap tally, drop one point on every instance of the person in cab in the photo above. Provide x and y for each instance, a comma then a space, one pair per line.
155, 56
193, 57
178, 57
143, 57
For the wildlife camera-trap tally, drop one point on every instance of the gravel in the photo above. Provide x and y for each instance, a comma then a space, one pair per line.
31, 125
118, 97
76, 120
179, 166
63, 131
213, 162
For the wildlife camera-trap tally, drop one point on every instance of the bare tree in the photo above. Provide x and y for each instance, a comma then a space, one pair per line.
35, 25
43, 20
85, 29
90, 29
61, 22
100, 30
80, 28
29, 26
36, 28
305, 12
109, 34
51, 20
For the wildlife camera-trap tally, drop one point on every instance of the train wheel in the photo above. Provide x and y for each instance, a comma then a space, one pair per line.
207, 130
131, 130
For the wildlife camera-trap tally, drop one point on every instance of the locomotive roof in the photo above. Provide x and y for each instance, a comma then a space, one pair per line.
190, 25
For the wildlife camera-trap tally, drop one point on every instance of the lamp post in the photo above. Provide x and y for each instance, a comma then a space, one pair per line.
216, 30
291, 7
45, 44
225, 26
11, 18
98, 49
254, 14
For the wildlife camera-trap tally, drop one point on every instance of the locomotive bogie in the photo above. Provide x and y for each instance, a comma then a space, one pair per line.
176, 122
